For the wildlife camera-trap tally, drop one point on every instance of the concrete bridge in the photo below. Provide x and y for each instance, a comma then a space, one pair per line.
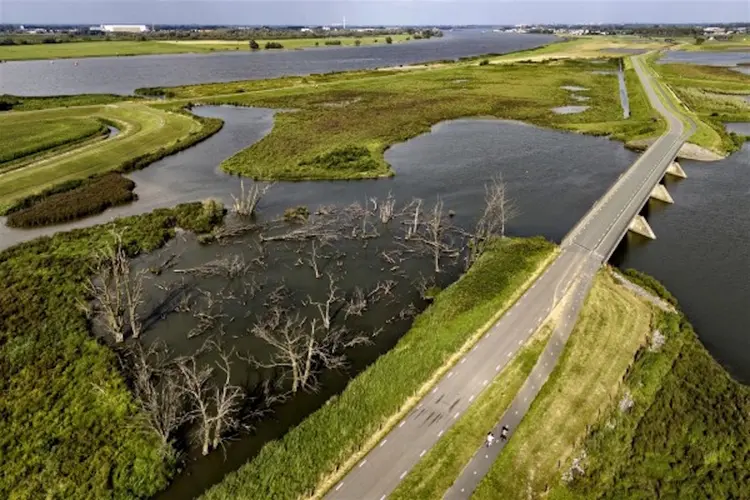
561, 288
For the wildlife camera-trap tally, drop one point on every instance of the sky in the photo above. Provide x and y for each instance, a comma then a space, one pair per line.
375, 12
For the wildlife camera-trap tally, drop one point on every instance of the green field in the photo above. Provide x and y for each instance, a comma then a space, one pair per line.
326, 444
39, 136
712, 96
613, 324
737, 43
73, 50
144, 130
366, 113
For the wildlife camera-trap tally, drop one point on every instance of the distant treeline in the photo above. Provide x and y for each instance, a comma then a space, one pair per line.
84, 35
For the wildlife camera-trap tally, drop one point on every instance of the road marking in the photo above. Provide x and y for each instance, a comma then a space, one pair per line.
516, 412
510, 353
403, 474
497, 368
484, 383
440, 433
475, 473
471, 398
457, 414
383, 442
463, 361
525, 399
434, 390
339, 486
450, 374
362, 463
402, 423
422, 454
520, 342
382, 498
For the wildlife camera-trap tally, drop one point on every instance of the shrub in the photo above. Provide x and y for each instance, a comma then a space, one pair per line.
298, 214
254, 45
484, 62
274, 45
199, 217
357, 42
355, 158
388, 40
650, 283
89, 197
333, 42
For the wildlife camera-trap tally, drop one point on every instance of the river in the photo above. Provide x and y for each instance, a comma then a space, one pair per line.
122, 75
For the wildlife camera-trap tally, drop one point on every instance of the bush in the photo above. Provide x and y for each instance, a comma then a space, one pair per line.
355, 158
388, 40
254, 45
484, 62
650, 283
199, 218
358, 42
333, 42
91, 197
298, 214
292, 466
274, 45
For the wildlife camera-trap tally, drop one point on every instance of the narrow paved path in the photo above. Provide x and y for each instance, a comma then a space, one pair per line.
587, 246
482, 461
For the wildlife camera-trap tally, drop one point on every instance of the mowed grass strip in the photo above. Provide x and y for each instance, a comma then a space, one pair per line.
42, 135
375, 112
326, 443
144, 130
435, 473
613, 324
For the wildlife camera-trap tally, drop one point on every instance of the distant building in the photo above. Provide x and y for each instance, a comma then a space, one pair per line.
123, 28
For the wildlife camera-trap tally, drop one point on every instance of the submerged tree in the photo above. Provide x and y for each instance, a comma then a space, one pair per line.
499, 209
117, 292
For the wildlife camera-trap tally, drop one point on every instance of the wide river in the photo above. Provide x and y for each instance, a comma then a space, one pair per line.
122, 75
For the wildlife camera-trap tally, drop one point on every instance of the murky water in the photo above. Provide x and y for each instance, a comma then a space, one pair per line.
728, 59
742, 128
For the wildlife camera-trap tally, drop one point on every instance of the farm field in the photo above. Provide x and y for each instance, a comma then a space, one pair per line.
74, 50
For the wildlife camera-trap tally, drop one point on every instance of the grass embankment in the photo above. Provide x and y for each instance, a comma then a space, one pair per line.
69, 426
714, 96
435, 473
327, 441
22, 103
612, 325
737, 43
686, 435
149, 47
583, 47
42, 136
358, 116
147, 134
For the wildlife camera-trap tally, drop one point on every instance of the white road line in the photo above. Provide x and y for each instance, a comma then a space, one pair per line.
471, 398
422, 454
510, 353
457, 414
463, 361
450, 374
497, 368
362, 463
339, 486
402, 423
484, 383
383, 442
403, 474
440, 433
382, 498
434, 390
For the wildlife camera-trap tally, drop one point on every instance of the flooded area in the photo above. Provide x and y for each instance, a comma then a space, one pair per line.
742, 128
728, 59
569, 110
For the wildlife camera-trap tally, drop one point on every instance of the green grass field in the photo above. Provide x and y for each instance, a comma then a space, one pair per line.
325, 445
434, 474
42, 136
613, 324
75, 50
373, 110
143, 129
712, 96
737, 43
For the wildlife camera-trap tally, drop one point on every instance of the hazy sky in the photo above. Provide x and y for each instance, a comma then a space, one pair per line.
255, 12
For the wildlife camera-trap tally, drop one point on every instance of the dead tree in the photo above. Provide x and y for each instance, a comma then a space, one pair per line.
313, 261
215, 402
248, 201
325, 307
386, 209
499, 209
413, 225
157, 390
208, 316
356, 304
118, 293
300, 349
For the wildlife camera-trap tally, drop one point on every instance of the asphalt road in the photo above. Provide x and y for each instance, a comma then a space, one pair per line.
588, 245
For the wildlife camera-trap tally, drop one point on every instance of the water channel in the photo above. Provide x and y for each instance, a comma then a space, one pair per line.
122, 75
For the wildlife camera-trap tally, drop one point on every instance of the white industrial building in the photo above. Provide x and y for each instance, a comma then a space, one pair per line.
121, 28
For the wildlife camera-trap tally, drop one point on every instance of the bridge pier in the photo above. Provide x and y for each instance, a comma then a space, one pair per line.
639, 225
660, 193
676, 170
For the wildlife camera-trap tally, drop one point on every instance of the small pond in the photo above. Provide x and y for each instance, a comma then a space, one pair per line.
569, 110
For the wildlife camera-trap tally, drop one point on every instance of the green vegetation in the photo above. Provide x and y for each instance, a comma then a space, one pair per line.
147, 134
649, 283
613, 324
736, 43
341, 116
713, 95
686, 435
298, 214
93, 197
435, 473
42, 136
145, 47
22, 103
324, 444
69, 426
